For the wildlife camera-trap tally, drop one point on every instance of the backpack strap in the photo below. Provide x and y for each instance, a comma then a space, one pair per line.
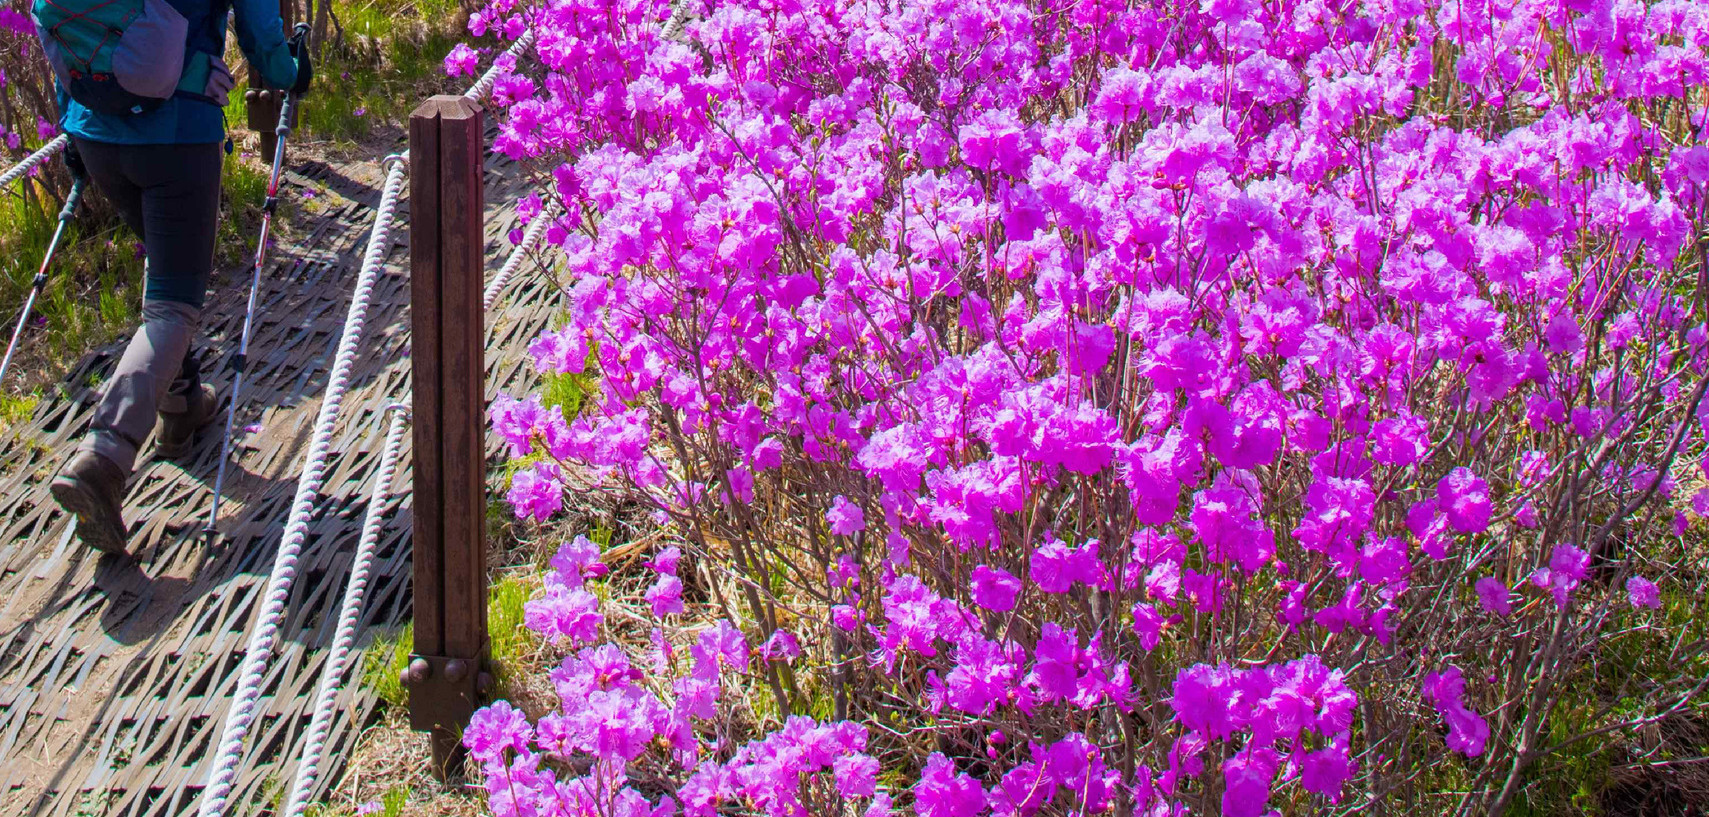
197, 68
197, 63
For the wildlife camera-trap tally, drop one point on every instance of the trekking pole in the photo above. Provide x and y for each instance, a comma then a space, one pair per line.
40, 281
287, 119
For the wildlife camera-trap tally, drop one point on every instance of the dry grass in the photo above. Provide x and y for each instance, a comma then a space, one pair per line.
388, 756
1663, 787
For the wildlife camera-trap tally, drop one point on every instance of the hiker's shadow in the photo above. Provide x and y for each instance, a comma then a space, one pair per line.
136, 601
168, 554
176, 558
173, 563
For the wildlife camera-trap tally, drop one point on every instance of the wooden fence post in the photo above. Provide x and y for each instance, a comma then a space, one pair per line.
261, 105
446, 234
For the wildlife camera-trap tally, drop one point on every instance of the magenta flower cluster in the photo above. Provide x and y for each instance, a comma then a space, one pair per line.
1167, 403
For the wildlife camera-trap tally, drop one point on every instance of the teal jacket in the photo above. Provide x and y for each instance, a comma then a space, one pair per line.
183, 120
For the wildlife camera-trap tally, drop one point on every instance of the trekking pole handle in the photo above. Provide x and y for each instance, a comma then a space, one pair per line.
287, 116
71, 200
288, 112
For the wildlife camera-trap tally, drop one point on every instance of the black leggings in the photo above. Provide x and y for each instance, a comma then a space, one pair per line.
170, 196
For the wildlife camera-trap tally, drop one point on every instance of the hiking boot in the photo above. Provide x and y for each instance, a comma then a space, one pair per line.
92, 488
181, 416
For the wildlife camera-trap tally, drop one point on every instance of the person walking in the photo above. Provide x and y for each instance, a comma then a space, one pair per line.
147, 129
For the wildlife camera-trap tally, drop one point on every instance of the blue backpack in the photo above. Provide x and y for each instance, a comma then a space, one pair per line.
114, 57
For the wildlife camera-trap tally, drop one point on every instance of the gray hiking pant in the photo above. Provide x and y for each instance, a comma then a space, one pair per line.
170, 196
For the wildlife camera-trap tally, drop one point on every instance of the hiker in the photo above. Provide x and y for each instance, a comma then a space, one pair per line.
146, 113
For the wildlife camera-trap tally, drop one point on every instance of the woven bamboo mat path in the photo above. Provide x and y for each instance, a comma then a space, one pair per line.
115, 675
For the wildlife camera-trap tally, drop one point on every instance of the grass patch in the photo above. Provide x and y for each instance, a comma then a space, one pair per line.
511, 643
272, 794
15, 409
93, 293
393, 801
95, 803
566, 391
244, 191
384, 662
1576, 780
382, 59
391, 805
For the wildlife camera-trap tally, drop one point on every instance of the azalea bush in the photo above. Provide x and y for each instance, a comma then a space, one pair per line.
1221, 407
28, 108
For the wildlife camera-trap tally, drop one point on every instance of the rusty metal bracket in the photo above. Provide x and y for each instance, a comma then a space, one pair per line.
443, 691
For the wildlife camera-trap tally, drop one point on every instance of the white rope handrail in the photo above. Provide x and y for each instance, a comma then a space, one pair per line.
484, 85
259, 651
536, 229
344, 638
29, 162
